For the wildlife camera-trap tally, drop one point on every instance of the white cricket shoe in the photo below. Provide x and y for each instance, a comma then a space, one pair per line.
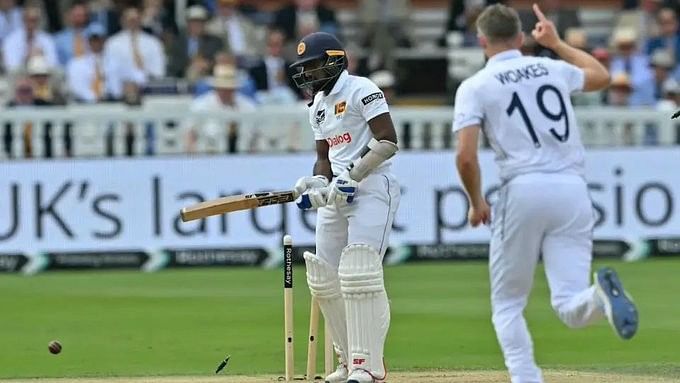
362, 376
618, 306
339, 376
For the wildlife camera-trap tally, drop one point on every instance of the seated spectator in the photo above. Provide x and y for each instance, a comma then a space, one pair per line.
194, 50
577, 38
223, 97
239, 34
88, 77
136, 55
246, 83
662, 63
670, 100
641, 18
629, 60
44, 85
10, 18
559, 13
272, 76
106, 13
620, 90
384, 25
669, 39
71, 42
24, 97
157, 19
302, 17
27, 42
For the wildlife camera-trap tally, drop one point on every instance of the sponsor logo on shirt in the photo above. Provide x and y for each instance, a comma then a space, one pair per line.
372, 97
340, 139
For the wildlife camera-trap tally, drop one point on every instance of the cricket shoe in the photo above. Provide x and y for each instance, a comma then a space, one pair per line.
362, 376
618, 306
339, 376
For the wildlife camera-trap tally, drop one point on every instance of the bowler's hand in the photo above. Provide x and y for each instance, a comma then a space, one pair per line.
479, 213
545, 32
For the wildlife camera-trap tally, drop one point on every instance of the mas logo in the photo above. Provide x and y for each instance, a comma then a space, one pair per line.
320, 116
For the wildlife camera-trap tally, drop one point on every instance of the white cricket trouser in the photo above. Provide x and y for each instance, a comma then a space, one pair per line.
367, 220
550, 215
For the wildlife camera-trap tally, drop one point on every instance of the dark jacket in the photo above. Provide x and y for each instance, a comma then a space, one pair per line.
286, 19
660, 43
208, 46
258, 73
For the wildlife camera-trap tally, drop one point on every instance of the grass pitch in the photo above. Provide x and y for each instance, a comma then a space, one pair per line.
182, 323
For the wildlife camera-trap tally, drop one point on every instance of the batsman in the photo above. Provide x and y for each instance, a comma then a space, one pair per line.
356, 196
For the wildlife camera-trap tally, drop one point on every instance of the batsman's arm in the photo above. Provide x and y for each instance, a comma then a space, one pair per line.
322, 166
382, 128
468, 164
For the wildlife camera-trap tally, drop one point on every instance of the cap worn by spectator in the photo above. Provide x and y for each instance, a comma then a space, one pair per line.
95, 30
624, 36
383, 79
197, 12
224, 77
576, 37
671, 87
662, 58
38, 66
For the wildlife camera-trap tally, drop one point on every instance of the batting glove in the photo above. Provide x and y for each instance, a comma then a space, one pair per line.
304, 184
312, 199
342, 190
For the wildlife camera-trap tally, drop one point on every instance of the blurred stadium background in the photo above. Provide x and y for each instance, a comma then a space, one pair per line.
115, 114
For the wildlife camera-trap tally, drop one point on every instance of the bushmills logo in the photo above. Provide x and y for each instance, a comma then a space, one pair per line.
344, 138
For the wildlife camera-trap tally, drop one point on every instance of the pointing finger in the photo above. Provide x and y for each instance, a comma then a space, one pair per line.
539, 14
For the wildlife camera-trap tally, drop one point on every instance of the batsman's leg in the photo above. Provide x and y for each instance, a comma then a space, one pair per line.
361, 276
322, 278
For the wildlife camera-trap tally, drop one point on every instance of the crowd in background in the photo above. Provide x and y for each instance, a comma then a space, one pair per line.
642, 51
235, 55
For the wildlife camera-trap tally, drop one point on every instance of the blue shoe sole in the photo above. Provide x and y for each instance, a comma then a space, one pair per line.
620, 309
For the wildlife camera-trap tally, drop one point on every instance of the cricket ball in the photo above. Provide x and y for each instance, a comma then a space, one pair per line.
54, 347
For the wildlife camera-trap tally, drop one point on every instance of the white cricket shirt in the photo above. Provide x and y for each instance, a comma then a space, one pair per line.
341, 118
524, 108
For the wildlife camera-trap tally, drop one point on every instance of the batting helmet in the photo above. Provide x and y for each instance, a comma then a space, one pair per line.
320, 61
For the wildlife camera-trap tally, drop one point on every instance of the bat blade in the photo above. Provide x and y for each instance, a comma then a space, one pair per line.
235, 203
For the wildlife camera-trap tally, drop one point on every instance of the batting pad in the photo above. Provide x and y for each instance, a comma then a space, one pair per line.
325, 286
368, 311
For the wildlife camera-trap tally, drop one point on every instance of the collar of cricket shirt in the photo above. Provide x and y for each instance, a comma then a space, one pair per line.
505, 55
340, 83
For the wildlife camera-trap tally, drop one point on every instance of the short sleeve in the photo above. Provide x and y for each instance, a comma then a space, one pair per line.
573, 75
467, 109
370, 100
315, 126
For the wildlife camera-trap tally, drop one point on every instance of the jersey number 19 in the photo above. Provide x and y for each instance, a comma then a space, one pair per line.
540, 100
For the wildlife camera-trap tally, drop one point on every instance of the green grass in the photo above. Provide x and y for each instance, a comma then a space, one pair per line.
184, 322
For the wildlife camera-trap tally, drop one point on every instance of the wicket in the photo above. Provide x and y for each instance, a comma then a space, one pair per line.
329, 352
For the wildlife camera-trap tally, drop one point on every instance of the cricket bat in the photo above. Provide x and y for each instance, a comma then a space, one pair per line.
235, 203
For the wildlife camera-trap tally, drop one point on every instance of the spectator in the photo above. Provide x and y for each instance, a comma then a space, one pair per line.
246, 88
44, 85
577, 38
194, 50
669, 37
630, 61
662, 64
238, 32
157, 19
563, 17
89, 79
670, 96
10, 18
23, 44
106, 14
136, 55
24, 98
385, 80
458, 19
223, 97
642, 18
384, 24
620, 90
272, 76
302, 17
72, 42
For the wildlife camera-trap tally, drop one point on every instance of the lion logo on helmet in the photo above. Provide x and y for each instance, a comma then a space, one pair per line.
301, 48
